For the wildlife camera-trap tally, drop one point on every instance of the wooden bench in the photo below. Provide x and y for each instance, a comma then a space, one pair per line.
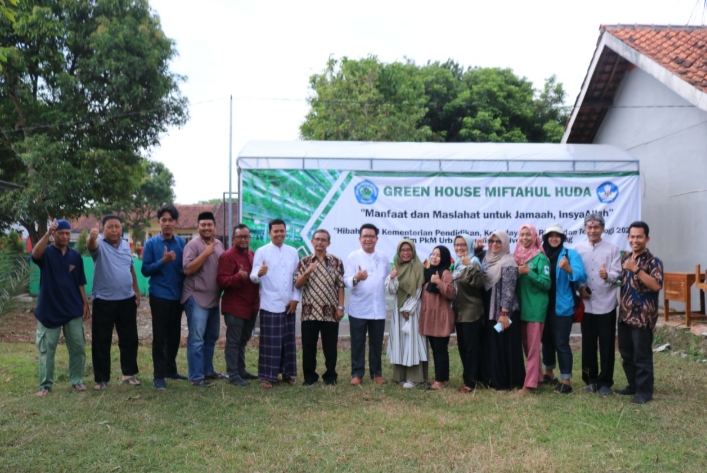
676, 287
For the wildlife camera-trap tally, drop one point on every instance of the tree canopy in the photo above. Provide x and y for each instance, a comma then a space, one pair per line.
85, 93
366, 99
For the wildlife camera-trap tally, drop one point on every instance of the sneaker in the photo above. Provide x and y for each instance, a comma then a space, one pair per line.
238, 381
247, 375
605, 391
627, 391
639, 400
591, 388
408, 385
159, 383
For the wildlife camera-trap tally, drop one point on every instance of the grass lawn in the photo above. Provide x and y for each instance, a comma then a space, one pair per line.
368, 428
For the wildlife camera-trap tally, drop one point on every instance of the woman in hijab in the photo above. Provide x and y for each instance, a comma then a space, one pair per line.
503, 347
566, 269
468, 308
533, 285
407, 349
436, 314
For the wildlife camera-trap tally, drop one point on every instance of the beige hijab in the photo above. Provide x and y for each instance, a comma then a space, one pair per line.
495, 262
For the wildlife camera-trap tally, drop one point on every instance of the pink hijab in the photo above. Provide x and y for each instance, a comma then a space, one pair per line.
522, 254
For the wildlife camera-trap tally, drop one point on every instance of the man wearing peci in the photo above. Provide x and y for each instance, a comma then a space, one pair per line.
62, 305
320, 276
274, 266
200, 296
365, 273
162, 263
116, 297
239, 304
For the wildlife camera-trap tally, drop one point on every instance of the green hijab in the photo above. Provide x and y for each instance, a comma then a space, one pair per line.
411, 275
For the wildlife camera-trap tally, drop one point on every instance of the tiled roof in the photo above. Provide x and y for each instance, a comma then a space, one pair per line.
188, 214
680, 49
675, 55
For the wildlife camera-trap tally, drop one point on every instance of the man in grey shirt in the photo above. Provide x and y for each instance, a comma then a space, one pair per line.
200, 296
116, 298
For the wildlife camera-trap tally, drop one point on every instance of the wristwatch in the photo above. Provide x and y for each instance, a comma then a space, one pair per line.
355, 281
341, 307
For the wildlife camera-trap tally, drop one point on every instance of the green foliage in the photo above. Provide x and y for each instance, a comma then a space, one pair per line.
137, 208
14, 272
81, 245
7, 10
370, 100
366, 100
12, 242
85, 92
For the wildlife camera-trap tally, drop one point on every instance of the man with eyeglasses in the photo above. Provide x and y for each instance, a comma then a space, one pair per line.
366, 270
320, 276
602, 263
239, 304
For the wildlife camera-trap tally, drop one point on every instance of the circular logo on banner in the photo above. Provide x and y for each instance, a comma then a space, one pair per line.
366, 192
607, 192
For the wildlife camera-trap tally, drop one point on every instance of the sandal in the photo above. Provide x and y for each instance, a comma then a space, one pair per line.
464, 389
100, 386
202, 384
563, 388
44, 392
265, 384
132, 381
290, 381
548, 380
436, 386
79, 387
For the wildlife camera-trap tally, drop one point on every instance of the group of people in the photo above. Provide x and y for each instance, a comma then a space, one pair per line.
512, 313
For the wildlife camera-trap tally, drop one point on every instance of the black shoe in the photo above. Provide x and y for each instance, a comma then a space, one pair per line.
591, 388
177, 376
308, 384
238, 381
627, 391
330, 382
605, 391
159, 384
639, 400
246, 375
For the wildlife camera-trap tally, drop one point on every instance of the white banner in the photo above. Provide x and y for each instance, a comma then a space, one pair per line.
431, 210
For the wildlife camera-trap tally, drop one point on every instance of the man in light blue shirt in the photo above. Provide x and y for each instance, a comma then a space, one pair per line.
116, 297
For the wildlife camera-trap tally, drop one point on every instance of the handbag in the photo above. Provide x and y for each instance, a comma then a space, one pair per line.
578, 305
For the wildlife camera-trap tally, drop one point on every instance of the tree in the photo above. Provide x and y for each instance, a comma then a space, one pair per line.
366, 100
140, 206
81, 243
85, 93
453, 104
7, 10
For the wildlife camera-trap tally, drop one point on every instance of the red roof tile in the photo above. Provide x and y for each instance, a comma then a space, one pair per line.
680, 49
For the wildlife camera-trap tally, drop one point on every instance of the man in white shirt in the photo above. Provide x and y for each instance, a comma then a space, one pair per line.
602, 262
364, 274
273, 268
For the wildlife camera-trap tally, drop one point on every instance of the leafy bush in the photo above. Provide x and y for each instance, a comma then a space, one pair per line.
14, 273
81, 245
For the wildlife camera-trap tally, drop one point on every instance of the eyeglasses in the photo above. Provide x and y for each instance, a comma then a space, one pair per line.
320, 240
494, 242
241, 237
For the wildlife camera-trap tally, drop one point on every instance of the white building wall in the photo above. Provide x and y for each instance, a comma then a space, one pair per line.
669, 136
